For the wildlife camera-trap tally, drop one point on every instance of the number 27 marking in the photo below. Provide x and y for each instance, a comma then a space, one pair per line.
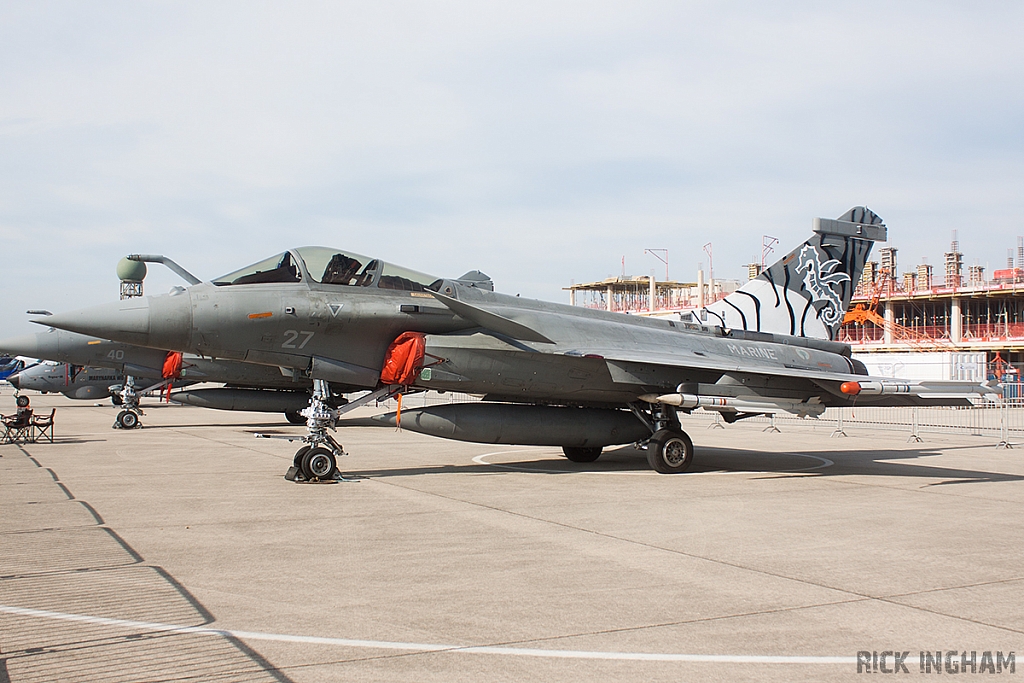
290, 337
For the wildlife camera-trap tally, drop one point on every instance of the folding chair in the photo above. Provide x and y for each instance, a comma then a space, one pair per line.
17, 427
42, 427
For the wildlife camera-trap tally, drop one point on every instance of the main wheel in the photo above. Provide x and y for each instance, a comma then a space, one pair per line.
669, 451
294, 417
126, 419
577, 454
319, 463
299, 454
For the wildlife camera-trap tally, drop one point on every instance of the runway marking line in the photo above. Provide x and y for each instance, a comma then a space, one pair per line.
425, 647
481, 460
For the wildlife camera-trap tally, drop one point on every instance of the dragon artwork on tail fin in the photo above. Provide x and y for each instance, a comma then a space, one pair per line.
819, 279
807, 292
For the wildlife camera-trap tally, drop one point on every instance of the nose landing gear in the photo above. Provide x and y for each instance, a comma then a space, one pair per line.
128, 418
317, 459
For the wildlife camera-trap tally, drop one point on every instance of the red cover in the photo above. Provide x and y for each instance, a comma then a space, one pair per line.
172, 365
404, 359
172, 370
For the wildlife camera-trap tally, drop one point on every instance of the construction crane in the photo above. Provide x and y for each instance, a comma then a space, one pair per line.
862, 314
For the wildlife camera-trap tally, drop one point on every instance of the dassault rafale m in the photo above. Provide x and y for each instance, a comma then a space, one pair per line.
549, 374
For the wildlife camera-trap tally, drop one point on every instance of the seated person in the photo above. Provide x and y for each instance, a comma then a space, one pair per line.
22, 417
340, 270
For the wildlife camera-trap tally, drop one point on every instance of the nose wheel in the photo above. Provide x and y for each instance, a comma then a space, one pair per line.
129, 400
319, 463
313, 464
126, 419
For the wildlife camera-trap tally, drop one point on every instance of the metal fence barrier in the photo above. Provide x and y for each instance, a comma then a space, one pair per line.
1001, 420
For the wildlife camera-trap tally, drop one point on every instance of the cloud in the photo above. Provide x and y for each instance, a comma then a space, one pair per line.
539, 142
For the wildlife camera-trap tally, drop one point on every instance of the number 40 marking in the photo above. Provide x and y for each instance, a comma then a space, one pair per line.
291, 336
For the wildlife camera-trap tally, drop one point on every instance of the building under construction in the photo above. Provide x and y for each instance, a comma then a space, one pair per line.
643, 294
892, 311
918, 311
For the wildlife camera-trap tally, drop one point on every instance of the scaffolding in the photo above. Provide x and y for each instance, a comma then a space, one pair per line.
643, 294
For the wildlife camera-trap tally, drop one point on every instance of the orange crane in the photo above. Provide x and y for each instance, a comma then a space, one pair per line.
862, 314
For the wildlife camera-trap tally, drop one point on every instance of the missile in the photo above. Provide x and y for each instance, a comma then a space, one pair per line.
921, 388
253, 400
739, 404
524, 425
875, 388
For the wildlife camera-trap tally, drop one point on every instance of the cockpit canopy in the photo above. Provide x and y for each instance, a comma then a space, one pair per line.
331, 267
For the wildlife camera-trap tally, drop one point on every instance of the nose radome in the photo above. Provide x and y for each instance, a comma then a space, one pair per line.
27, 345
124, 321
163, 322
15, 381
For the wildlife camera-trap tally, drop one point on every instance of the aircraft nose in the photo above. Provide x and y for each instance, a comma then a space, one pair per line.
163, 322
126, 321
30, 346
19, 346
15, 381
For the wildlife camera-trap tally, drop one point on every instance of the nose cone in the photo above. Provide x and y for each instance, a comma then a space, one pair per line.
21, 346
15, 381
42, 345
163, 322
126, 321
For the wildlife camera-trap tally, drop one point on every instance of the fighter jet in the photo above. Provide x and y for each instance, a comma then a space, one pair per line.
548, 374
250, 387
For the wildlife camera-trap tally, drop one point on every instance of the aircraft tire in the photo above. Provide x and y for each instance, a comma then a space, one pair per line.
670, 451
294, 417
319, 463
576, 454
127, 419
297, 460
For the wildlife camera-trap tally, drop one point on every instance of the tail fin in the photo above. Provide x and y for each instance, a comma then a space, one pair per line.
807, 293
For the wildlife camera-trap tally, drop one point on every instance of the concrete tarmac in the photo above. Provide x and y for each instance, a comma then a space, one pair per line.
179, 552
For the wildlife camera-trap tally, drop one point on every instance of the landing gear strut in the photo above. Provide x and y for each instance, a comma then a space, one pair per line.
128, 418
317, 459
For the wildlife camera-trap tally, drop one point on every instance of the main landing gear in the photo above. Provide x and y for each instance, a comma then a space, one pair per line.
669, 450
128, 418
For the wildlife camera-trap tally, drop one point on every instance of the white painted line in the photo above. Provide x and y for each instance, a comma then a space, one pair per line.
482, 460
425, 647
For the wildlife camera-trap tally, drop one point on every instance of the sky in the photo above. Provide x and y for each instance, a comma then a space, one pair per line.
539, 142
